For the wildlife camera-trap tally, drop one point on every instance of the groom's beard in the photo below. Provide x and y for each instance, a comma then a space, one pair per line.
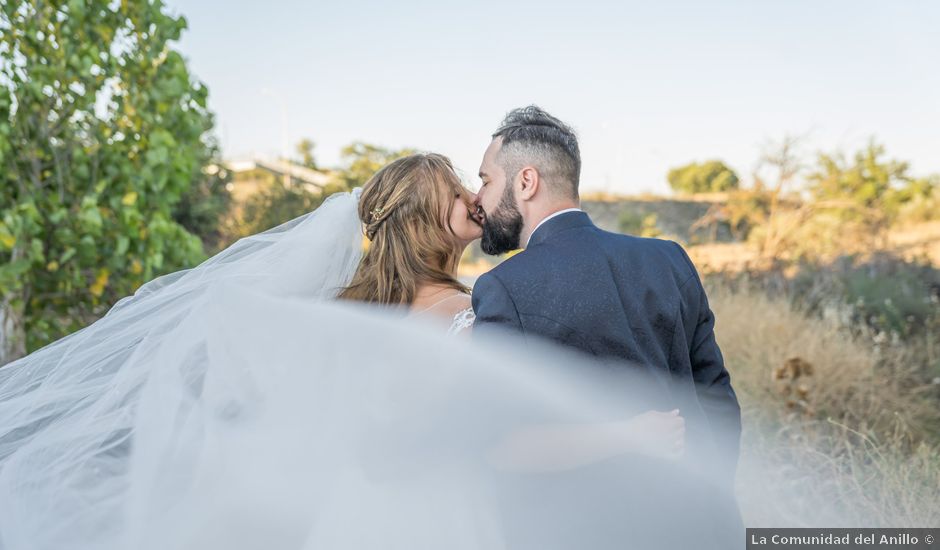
502, 228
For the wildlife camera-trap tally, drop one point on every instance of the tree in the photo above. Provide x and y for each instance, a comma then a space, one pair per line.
709, 177
850, 204
744, 210
102, 130
919, 201
783, 159
361, 160
305, 150
276, 204
867, 181
203, 209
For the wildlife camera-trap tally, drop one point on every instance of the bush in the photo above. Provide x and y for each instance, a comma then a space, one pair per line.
709, 177
633, 223
885, 294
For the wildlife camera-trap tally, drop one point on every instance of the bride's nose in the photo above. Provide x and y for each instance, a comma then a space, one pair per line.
471, 200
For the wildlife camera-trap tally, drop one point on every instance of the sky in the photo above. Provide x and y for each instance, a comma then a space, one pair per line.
647, 85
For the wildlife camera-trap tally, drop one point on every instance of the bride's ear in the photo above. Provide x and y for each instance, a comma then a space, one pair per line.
529, 182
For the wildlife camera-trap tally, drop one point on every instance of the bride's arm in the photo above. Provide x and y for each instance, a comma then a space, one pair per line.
556, 447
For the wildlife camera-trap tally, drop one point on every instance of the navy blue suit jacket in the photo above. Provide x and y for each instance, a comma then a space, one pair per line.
634, 301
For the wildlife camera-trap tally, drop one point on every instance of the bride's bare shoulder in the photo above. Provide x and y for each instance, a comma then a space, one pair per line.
455, 310
458, 304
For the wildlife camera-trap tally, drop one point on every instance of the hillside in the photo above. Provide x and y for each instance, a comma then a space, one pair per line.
711, 245
674, 217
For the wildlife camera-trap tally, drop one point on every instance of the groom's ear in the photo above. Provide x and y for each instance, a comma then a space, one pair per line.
528, 182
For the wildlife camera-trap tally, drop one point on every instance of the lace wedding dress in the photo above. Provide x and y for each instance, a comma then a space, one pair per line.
462, 321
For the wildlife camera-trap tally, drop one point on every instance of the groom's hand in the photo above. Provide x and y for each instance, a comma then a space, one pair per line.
654, 433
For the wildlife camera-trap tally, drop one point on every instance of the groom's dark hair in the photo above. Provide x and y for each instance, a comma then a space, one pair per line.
530, 136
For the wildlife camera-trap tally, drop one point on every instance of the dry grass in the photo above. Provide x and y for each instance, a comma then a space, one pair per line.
723, 257
835, 433
920, 241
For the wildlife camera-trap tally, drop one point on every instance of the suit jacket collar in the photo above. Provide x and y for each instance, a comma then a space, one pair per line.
568, 220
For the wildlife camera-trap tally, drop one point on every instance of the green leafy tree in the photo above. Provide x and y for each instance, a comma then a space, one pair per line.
920, 200
850, 203
708, 177
867, 181
102, 131
361, 160
874, 186
276, 204
204, 208
305, 149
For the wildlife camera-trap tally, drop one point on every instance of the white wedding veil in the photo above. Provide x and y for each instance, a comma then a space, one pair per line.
236, 405
65, 407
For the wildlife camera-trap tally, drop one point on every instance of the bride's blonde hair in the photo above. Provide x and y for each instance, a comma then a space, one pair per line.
405, 209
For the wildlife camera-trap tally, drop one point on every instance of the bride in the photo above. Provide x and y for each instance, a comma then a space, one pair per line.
419, 219
272, 397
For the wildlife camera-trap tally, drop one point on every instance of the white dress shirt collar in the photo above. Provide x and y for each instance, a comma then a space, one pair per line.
546, 218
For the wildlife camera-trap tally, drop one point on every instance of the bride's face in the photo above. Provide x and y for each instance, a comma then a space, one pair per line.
462, 218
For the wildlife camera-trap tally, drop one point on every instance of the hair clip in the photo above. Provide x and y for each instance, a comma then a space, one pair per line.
377, 212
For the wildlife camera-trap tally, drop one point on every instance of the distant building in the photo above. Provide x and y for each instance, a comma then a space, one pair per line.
252, 175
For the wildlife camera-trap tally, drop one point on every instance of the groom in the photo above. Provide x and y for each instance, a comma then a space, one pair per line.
635, 302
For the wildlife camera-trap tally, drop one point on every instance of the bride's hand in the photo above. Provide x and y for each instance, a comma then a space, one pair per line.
657, 434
